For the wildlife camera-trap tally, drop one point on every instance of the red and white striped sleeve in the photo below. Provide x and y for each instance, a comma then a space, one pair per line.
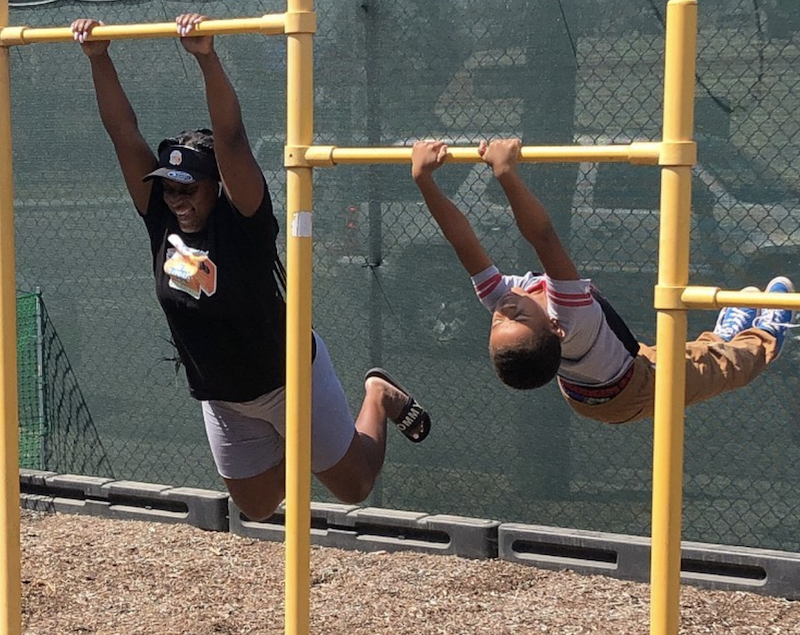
571, 299
490, 285
577, 312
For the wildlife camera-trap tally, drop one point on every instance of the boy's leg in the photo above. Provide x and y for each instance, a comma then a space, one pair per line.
733, 320
776, 321
743, 343
634, 402
714, 366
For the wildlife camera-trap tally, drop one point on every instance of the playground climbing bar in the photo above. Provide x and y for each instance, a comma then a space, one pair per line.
299, 27
675, 153
10, 567
299, 133
644, 153
671, 320
267, 25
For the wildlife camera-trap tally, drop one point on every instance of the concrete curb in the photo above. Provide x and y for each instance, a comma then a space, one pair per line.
729, 568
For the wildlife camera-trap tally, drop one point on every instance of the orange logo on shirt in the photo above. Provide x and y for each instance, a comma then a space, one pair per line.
190, 270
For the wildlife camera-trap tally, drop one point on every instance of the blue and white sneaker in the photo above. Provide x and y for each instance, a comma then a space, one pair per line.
776, 321
733, 320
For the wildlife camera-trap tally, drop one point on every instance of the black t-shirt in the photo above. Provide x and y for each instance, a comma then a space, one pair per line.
231, 339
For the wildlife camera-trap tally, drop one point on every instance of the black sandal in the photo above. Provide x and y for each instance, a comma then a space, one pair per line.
414, 421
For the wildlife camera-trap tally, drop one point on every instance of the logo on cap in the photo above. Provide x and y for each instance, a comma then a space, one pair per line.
175, 157
182, 177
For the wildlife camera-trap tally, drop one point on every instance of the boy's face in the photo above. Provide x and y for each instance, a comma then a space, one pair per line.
520, 316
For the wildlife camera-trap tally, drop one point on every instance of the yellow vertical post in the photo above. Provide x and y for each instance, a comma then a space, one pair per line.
10, 620
673, 271
299, 133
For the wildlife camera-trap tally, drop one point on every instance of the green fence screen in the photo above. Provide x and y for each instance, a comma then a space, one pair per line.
32, 424
388, 290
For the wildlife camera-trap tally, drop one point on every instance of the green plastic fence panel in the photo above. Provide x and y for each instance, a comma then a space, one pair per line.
29, 373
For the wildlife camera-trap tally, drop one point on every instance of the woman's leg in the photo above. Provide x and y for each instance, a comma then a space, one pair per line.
352, 478
259, 496
347, 457
248, 451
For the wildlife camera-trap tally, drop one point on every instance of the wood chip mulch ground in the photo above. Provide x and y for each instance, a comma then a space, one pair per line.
92, 576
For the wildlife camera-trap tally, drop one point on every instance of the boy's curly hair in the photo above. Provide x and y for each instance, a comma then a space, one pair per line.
531, 365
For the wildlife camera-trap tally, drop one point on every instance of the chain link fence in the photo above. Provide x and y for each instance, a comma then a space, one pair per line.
388, 289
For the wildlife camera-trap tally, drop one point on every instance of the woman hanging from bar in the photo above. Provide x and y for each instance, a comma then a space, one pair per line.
208, 213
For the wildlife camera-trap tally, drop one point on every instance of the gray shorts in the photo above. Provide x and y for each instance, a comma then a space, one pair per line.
247, 438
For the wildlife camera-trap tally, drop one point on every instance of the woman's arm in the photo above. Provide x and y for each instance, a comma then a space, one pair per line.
241, 175
134, 155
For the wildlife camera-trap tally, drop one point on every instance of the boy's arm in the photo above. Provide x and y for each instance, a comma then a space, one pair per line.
427, 156
530, 215
240, 173
134, 155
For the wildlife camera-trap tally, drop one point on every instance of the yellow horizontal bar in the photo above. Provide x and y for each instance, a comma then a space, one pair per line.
268, 24
715, 298
646, 153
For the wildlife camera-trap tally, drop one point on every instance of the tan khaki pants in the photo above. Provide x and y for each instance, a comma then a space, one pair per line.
713, 366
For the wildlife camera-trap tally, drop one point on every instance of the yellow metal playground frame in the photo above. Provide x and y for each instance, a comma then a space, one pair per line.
676, 154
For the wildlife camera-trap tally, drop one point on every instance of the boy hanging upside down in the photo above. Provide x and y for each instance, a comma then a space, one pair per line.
557, 324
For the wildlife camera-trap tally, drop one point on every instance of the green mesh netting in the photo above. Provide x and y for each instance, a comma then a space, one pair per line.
387, 288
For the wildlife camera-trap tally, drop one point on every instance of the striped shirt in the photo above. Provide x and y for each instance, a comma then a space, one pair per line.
591, 352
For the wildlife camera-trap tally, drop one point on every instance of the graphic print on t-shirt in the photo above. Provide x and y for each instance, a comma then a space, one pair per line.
190, 270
